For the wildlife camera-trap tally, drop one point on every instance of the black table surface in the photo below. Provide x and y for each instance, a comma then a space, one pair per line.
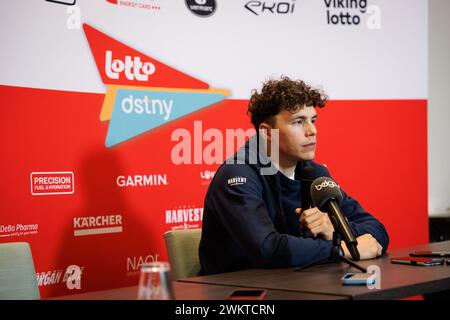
396, 280
193, 291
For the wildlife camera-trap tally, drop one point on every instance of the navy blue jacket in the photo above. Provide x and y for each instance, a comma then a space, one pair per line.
244, 224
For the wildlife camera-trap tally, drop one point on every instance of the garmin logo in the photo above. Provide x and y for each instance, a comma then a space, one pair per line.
235, 181
326, 184
142, 180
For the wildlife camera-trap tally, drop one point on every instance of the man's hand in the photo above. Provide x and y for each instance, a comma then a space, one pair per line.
317, 222
368, 247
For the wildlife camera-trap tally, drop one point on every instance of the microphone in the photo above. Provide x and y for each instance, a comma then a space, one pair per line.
307, 175
327, 196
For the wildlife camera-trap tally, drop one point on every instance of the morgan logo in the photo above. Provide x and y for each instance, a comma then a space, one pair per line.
51, 183
134, 68
326, 184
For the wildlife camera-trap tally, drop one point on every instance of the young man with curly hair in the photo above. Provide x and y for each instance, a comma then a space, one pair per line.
257, 220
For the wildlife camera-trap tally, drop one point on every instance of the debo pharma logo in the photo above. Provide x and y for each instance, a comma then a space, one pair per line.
143, 93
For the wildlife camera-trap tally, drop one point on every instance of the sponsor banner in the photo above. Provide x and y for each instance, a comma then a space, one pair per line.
52, 183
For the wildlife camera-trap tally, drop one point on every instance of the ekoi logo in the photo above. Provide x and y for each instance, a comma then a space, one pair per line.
142, 92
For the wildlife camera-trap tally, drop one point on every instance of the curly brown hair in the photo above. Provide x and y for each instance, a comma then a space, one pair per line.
283, 94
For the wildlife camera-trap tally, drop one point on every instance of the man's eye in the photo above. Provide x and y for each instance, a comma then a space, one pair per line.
299, 122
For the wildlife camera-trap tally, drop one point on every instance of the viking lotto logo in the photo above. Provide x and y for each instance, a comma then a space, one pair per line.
143, 93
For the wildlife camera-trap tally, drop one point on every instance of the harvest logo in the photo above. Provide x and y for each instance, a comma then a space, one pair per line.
142, 92
184, 217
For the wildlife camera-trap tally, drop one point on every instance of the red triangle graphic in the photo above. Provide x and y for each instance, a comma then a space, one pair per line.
120, 64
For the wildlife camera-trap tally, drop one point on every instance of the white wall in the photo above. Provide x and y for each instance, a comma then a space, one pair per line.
439, 108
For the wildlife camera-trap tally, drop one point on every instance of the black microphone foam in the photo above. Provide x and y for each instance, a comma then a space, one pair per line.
307, 175
324, 189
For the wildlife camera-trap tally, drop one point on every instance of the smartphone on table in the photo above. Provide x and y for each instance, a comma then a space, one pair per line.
358, 278
256, 294
431, 254
418, 261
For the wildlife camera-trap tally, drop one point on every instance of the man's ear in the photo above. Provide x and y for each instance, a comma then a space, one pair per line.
265, 131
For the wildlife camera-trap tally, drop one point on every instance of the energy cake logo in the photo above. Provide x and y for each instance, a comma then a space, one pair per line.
51, 183
142, 92
138, 4
185, 217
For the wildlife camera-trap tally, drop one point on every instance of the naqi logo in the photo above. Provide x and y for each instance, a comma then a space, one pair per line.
142, 92
135, 263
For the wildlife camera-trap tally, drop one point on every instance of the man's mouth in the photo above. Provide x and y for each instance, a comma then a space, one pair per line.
311, 145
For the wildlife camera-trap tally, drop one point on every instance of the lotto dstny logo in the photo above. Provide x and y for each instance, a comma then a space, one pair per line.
142, 92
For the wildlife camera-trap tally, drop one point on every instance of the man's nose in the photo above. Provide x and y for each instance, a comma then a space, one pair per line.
311, 130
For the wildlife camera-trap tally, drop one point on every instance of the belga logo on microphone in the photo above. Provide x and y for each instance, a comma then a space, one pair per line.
142, 92
326, 184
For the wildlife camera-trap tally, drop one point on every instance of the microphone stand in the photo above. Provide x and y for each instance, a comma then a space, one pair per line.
336, 253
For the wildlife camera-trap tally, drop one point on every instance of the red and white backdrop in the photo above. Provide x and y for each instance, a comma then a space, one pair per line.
116, 114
